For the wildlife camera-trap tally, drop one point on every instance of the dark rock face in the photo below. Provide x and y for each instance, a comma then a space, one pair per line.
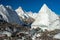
13, 29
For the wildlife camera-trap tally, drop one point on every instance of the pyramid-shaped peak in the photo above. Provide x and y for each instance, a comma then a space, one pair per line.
44, 5
19, 7
44, 8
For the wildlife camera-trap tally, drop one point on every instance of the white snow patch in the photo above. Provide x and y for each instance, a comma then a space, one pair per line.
57, 36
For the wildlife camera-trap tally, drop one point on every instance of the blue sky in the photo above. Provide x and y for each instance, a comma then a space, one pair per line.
33, 5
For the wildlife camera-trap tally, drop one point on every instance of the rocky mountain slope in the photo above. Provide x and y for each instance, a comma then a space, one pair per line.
9, 15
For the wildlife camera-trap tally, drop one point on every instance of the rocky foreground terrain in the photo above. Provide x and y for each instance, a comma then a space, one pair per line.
13, 31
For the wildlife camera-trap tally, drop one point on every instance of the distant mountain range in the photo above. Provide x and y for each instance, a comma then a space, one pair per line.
44, 18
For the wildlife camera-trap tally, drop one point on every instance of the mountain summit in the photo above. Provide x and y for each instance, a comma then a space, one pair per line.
44, 8
19, 10
46, 18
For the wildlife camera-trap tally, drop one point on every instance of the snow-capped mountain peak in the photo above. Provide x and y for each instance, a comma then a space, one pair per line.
9, 15
46, 17
20, 11
1, 5
8, 6
44, 8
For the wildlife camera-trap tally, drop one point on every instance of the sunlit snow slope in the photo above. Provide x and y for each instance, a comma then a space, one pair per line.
46, 18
